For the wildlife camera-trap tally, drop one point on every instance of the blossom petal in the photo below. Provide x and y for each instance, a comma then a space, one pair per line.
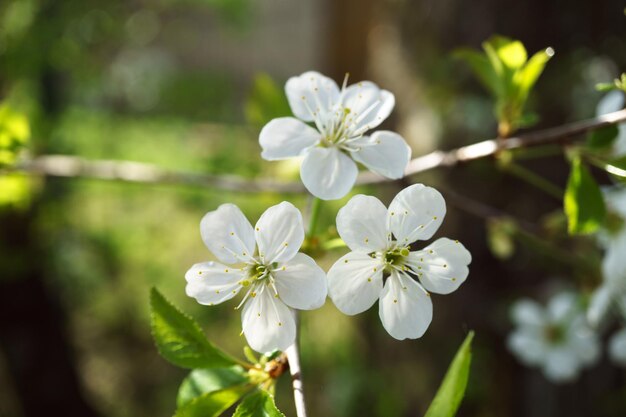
416, 213
561, 365
405, 308
212, 283
279, 233
617, 347
301, 283
369, 105
286, 137
561, 307
386, 153
528, 345
528, 313
228, 234
355, 282
614, 263
599, 305
583, 341
328, 173
311, 92
612, 101
441, 266
267, 322
362, 224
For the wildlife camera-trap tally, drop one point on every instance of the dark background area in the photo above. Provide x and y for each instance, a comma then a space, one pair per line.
187, 84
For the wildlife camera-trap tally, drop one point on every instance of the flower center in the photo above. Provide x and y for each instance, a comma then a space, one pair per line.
555, 334
395, 258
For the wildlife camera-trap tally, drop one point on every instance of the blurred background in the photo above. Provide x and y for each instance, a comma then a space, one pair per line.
187, 85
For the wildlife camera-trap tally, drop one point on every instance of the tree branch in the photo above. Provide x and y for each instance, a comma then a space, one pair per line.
128, 171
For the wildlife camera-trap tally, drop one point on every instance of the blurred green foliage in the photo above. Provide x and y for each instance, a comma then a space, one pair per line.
14, 134
583, 201
507, 73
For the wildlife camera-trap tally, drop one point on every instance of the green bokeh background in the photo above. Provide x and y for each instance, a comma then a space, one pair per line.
186, 85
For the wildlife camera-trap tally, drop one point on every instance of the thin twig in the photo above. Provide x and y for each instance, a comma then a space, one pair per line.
73, 166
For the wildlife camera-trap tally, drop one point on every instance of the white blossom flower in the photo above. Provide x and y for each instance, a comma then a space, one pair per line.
341, 119
612, 292
265, 264
382, 266
611, 102
556, 339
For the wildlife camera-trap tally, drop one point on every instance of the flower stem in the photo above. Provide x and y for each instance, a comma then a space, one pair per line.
313, 218
293, 356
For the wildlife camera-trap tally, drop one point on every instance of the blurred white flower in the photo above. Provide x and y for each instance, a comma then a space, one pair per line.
556, 339
382, 265
264, 262
611, 102
341, 119
617, 347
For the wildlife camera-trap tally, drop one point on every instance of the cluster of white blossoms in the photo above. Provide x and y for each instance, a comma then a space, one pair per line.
556, 339
264, 262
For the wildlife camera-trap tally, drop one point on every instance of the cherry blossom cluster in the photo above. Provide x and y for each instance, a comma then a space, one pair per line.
264, 263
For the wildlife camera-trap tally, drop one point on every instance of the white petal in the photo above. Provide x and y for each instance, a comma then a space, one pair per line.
405, 308
441, 266
528, 345
355, 282
311, 92
416, 213
583, 341
267, 322
279, 233
614, 264
212, 283
328, 173
562, 306
362, 224
561, 365
599, 305
528, 313
228, 234
301, 283
386, 153
617, 347
369, 105
286, 137
615, 198
612, 101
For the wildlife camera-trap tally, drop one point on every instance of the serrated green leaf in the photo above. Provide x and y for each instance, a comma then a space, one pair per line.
602, 138
214, 403
203, 381
179, 338
452, 388
583, 202
258, 404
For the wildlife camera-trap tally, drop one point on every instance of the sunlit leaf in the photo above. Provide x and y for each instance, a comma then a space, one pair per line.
15, 190
258, 404
583, 203
214, 403
452, 388
527, 76
203, 381
266, 101
179, 338
512, 53
602, 138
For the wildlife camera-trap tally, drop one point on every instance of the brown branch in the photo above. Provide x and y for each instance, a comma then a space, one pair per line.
73, 166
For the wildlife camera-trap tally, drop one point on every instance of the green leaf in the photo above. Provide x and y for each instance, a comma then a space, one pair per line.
583, 203
602, 138
452, 389
203, 381
511, 53
482, 68
179, 338
258, 404
214, 403
526, 77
